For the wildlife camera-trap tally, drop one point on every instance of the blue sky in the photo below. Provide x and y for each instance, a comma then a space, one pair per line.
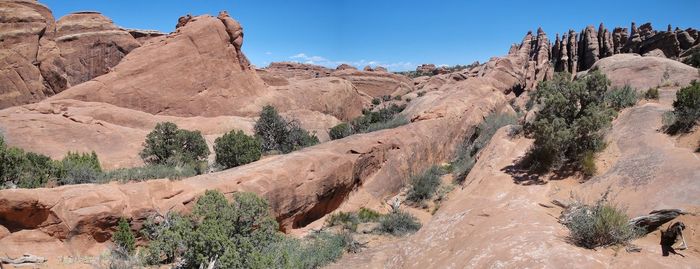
396, 34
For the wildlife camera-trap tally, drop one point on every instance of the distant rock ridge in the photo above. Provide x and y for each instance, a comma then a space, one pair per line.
575, 52
535, 59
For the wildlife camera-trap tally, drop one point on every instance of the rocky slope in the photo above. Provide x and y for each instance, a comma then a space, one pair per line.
498, 219
376, 161
42, 57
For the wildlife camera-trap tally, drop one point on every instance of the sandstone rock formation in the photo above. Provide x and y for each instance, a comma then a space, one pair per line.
376, 84
293, 70
42, 57
28, 31
215, 75
573, 53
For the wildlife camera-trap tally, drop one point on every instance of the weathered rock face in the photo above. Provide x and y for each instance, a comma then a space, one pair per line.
426, 68
588, 48
619, 39
525, 65
90, 45
43, 57
235, 33
376, 84
292, 70
31, 66
575, 53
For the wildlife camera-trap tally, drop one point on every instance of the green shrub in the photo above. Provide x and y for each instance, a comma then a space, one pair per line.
79, 168
167, 144
397, 98
368, 215
408, 99
376, 101
399, 223
278, 134
621, 98
470, 147
686, 109
598, 225
123, 238
694, 58
25, 170
168, 239
271, 128
239, 234
370, 121
340, 131
423, 186
652, 94
236, 148
234, 233
386, 98
154, 171
572, 120
588, 166
314, 251
389, 124
421, 93
347, 220
116, 258
298, 138
192, 148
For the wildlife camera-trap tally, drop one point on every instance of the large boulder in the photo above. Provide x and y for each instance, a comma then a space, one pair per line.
645, 72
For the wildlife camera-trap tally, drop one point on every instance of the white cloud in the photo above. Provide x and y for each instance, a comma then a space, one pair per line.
268, 53
322, 61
